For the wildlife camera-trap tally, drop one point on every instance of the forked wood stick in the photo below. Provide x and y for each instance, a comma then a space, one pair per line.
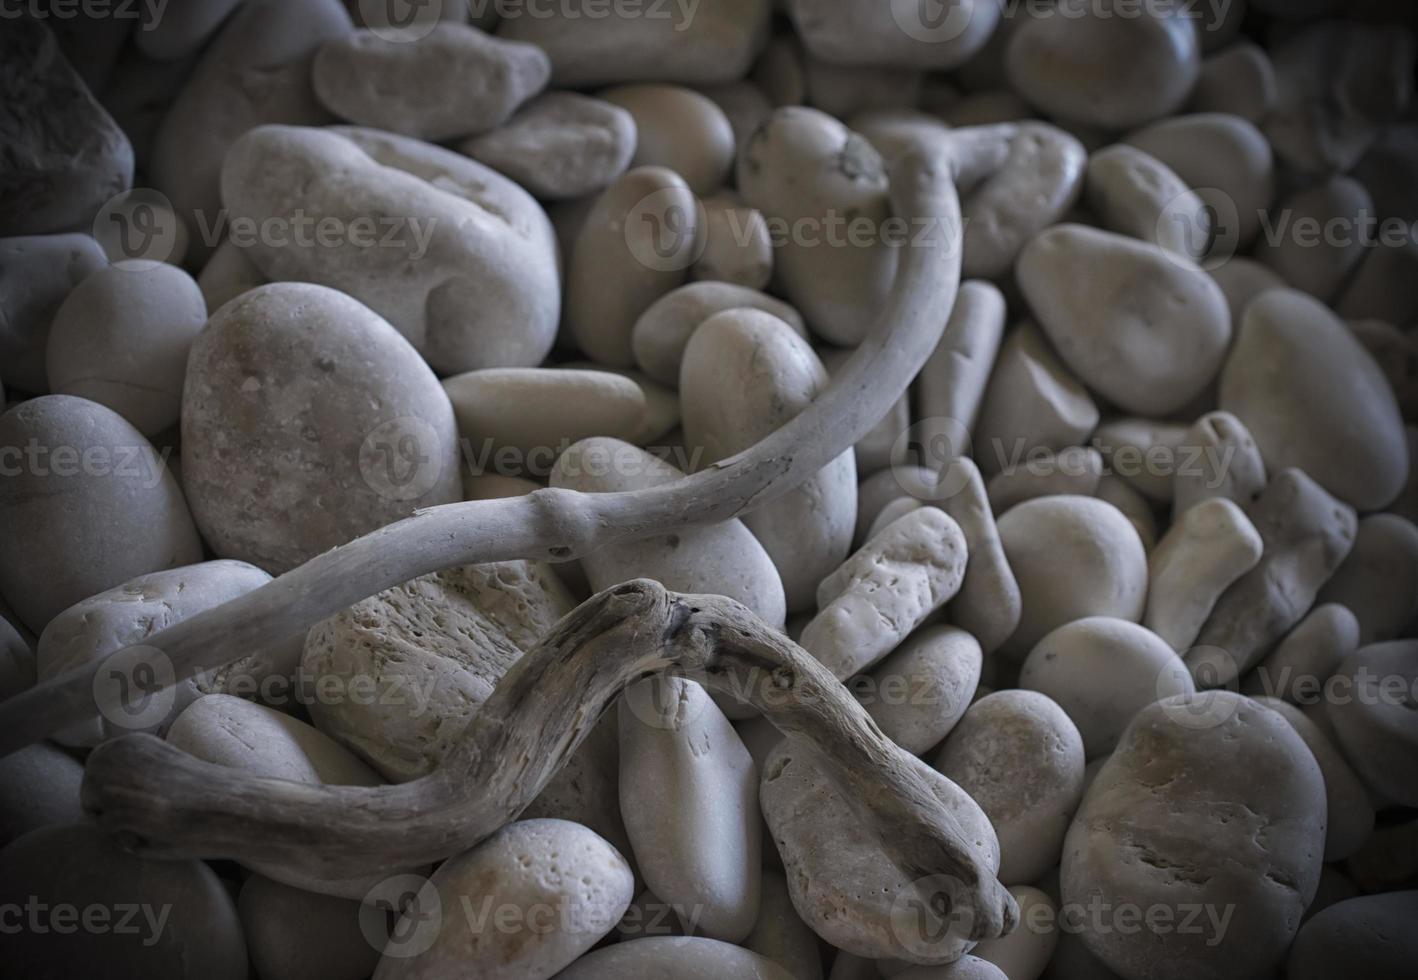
161, 802
561, 524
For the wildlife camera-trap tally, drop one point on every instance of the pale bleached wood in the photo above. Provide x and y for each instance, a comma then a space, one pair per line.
162, 802
561, 524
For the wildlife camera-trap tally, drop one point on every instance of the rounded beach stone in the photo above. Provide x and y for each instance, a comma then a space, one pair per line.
1018, 756
1374, 720
738, 246
542, 411
560, 145
745, 374
663, 330
131, 613
1369, 936
1073, 557
121, 339
680, 129
860, 33
1378, 581
1239, 80
299, 415
390, 83
1210, 800
183, 922
1136, 194
1308, 656
93, 505
988, 604
298, 935
1314, 399
1145, 329
459, 259
918, 693
689, 796
841, 882
559, 885
39, 787
681, 957
37, 272
1092, 64
1226, 160
1102, 672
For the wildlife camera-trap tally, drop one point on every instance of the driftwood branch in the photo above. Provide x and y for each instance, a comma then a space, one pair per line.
162, 802
561, 524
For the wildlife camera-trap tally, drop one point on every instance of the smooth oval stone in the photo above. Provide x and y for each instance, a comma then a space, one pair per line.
1032, 402
256, 71
121, 339
745, 374
39, 787
128, 615
636, 245
1374, 720
680, 957
1102, 672
399, 676
1075, 470
64, 155
87, 503
542, 411
663, 331
1210, 800
680, 129
738, 247
228, 274
1138, 195
1021, 759
1371, 936
887, 588
1242, 280
385, 82
177, 919
951, 387
689, 796
173, 33
1135, 507
1146, 329
921, 690
1308, 656
1092, 64
800, 169
457, 257
1039, 180
37, 273
988, 604
521, 905
854, 33
1339, 84
965, 968
298, 935
1238, 80
1349, 814
1378, 581
1314, 399
296, 402
721, 559
841, 882
1226, 160
560, 145
1144, 452
1073, 557
688, 46
1317, 240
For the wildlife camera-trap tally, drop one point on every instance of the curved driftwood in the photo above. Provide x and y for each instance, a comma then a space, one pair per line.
561, 524
162, 802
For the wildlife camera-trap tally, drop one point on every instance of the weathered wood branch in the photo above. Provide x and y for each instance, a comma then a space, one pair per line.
163, 802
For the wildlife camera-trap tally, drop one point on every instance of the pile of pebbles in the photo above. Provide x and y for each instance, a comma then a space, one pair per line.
1132, 567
